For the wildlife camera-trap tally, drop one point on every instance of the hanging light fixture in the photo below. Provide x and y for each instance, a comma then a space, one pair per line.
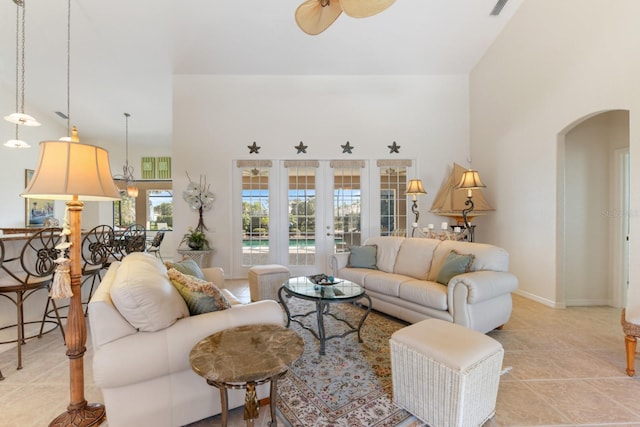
132, 190
69, 136
19, 117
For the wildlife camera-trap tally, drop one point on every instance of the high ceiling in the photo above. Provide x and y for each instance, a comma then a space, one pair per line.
124, 53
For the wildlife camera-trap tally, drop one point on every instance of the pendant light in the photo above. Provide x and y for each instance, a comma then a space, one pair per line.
70, 136
132, 190
19, 117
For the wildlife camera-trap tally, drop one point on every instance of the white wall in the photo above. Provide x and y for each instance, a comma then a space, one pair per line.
217, 117
556, 63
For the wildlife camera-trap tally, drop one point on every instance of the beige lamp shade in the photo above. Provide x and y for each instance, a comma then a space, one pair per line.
364, 8
66, 169
415, 188
470, 180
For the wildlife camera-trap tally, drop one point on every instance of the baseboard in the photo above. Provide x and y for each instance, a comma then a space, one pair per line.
536, 298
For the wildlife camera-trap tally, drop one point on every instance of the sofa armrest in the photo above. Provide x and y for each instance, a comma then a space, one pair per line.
147, 355
214, 275
337, 261
483, 285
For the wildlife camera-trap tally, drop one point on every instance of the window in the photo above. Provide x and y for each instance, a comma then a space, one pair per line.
393, 202
255, 216
153, 207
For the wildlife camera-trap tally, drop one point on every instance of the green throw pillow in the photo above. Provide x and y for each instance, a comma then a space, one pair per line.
363, 256
199, 295
187, 266
198, 302
454, 264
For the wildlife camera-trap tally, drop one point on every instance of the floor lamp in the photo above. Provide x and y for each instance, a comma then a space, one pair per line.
69, 170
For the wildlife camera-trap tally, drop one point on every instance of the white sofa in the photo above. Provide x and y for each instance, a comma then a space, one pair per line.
145, 377
403, 284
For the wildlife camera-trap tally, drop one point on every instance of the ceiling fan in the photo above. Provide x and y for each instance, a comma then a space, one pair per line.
315, 16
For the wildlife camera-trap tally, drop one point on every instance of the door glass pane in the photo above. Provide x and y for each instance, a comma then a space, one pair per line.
393, 203
302, 215
346, 208
255, 216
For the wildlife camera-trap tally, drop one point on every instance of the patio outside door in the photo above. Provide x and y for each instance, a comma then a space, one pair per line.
324, 205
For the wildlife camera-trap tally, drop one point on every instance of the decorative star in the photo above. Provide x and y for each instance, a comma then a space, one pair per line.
301, 148
394, 148
346, 148
254, 148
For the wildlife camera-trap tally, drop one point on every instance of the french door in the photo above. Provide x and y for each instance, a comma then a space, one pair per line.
297, 213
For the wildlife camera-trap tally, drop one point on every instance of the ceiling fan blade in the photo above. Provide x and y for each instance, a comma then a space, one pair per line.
364, 8
313, 19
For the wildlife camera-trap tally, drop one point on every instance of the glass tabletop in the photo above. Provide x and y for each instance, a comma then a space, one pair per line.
341, 289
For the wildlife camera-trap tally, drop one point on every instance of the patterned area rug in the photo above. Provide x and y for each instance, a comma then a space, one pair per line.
348, 386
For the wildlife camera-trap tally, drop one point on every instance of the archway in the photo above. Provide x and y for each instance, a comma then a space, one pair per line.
593, 210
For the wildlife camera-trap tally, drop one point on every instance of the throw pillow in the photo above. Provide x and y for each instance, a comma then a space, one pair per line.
363, 256
186, 266
454, 264
143, 294
201, 296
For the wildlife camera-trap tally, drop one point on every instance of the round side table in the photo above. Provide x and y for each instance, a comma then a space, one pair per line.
244, 357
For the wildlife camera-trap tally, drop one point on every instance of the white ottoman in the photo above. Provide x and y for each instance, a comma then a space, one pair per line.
445, 374
265, 280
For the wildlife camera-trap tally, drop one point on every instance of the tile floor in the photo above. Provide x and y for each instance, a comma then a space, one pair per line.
567, 369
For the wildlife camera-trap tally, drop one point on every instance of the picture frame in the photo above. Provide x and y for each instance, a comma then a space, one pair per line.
36, 211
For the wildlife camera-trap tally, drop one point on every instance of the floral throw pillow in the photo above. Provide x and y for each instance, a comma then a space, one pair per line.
201, 296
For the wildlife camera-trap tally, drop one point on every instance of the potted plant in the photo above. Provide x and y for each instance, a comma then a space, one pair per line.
195, 239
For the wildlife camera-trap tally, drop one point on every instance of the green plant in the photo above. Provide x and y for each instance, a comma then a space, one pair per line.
195, 239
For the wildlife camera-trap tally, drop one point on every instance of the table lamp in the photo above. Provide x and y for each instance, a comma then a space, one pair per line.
415, 189
469, 181
69, 170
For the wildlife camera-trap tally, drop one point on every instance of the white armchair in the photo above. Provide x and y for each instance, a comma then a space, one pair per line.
631, 327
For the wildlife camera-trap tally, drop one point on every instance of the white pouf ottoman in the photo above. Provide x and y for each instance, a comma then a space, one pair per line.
265, 280
445, 374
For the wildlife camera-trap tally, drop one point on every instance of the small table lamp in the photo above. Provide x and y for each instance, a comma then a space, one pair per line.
469, 181
414, 189
69, 170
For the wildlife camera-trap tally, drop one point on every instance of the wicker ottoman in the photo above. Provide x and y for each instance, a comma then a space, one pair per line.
445, 374
265, 280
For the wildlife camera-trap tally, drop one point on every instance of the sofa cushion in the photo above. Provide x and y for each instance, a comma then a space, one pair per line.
388, 247
385, 283
425, 293
144, 295
414, 257
201, 296
362, 256
186, 266
453, 265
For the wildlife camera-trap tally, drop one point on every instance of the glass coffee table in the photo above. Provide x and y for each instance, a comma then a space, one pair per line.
323, 296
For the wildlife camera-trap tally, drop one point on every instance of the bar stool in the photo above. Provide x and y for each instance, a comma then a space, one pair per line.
27, 273
96, 254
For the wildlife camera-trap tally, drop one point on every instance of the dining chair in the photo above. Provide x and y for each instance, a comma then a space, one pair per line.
23, 275
154, 245
135, 239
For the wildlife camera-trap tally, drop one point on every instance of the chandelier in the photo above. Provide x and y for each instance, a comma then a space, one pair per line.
132, 190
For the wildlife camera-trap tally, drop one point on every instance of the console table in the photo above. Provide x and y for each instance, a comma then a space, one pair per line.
200, 257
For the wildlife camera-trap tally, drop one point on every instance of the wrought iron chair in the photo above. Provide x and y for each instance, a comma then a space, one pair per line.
96, 256
134, 239
27, 273
154, 244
